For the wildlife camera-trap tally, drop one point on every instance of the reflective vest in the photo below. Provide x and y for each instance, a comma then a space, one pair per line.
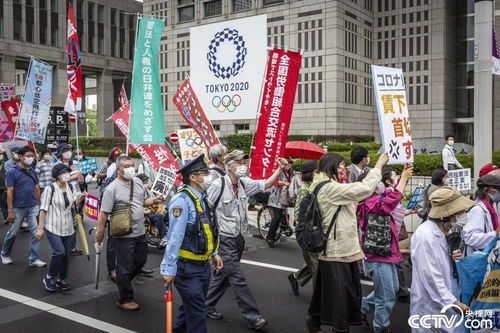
202, 237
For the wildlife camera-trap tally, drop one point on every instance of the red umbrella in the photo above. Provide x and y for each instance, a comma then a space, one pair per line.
304, 150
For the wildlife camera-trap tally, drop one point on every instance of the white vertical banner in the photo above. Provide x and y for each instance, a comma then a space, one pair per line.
190, 144
227, 63
392, 108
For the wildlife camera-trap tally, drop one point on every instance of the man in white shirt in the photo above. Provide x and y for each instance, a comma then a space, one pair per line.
450, 162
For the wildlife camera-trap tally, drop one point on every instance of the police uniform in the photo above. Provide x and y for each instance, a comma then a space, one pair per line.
192, 241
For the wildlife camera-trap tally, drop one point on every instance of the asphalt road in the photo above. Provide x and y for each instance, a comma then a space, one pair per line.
25, 306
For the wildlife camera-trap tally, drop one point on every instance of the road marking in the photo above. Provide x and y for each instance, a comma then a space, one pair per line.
66, 314
286, 269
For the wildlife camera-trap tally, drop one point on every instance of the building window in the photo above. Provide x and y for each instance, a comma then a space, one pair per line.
30, 20
241, 5
185, 2
186, 14
113, 33
100, 29
131, 36
1, 19
271, 2
242, 128
54, 24
18, 19
122, 35
42, 21
79, 23
213, 8
91, 26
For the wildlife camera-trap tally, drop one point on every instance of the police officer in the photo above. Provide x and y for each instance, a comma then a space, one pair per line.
193, 240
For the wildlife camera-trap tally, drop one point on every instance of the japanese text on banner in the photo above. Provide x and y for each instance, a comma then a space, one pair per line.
91, 207
146, 102
276, 112
392, 108
190, 144
164, 181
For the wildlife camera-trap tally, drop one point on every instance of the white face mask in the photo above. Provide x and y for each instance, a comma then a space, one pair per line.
207, 180
495, 197
1, 157
241, 171
129, 173
446, 182
461, 219
15, 156
65, 177
46, 158
67, 155
451, 142
28, 160
380, 188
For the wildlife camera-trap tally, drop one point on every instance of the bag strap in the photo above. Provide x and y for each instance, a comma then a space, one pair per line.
334, 219
131, 191
319, 186
223, 187
222, 173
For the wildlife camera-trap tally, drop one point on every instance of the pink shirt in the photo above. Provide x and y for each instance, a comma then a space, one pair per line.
382, 205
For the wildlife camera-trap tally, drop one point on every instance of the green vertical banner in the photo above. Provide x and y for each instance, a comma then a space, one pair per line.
146, 118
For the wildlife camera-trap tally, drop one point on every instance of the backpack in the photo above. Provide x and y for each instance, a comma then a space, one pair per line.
423, 212
309, 230
53, 189
219, 171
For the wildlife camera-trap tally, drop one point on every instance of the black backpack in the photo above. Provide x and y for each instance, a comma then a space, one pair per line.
309, 230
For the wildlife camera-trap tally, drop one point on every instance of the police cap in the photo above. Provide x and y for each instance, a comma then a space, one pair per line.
198, 164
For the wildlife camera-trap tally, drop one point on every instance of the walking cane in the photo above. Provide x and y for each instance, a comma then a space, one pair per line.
168, 307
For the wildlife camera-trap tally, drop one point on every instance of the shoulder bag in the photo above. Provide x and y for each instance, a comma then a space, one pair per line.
120, 222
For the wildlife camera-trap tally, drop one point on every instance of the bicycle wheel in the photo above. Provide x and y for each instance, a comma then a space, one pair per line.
264, 221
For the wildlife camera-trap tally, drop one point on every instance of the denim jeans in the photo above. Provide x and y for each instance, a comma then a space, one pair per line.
29, 213
59, 263
383, 297
3, 203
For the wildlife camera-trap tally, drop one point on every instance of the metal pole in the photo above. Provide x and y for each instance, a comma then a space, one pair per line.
483, 84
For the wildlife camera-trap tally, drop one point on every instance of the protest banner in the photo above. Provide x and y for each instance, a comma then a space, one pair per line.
57, 129
191, 110
88, 165
7, 91
392, 107
155, 155
6, 130
164, 181
227, 65
11, 108
417, 195
7, 146
461, 179
496, 55
34, 114
73, 66
275, 112
91, 207
190, 144
146, 101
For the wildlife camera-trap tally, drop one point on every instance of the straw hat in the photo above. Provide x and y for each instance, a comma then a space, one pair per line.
448, 201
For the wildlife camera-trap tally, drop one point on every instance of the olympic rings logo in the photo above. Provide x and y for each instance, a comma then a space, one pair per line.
195, 143
226, 103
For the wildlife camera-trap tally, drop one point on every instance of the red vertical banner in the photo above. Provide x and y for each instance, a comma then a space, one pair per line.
156, 155
276, 109
74, 66
190, 108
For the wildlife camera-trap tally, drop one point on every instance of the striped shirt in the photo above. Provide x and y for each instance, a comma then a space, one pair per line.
44, 171
59, 219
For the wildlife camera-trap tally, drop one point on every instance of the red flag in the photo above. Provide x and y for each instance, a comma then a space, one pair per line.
156, 155
11, 109
123, 99
275, 112
187, 103
74, 68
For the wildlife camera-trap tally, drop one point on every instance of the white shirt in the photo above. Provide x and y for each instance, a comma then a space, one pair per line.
478, 232
449, 157
433, 285
111, 170
59, 219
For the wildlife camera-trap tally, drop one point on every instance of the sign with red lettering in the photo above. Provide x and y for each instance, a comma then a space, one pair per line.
276, 109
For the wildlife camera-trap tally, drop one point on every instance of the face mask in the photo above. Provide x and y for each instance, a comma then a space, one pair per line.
342, 175
46, 158
67, 155
207, 180
380, 188
495, 197
451, 142
28, 160
461, 219
241, 171
129, 173
79, 157
446, 182
65, 177
368, 160
203, 186
1, 157
15, 157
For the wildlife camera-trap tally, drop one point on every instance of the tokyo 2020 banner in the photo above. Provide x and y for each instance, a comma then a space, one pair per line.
228, 60
275, 117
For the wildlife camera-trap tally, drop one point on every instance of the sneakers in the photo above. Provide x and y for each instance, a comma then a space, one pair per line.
213, 314
6, 260
49, 284
37, 263
63, 285
257, 324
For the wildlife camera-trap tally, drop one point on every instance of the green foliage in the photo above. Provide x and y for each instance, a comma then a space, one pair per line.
325, 139
92, 122
338, 147
104, 153
239, 141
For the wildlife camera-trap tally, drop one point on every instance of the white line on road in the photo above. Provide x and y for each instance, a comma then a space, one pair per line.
286, 269
70, 315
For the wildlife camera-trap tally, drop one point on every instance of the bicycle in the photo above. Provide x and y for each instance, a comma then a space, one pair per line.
264, 221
